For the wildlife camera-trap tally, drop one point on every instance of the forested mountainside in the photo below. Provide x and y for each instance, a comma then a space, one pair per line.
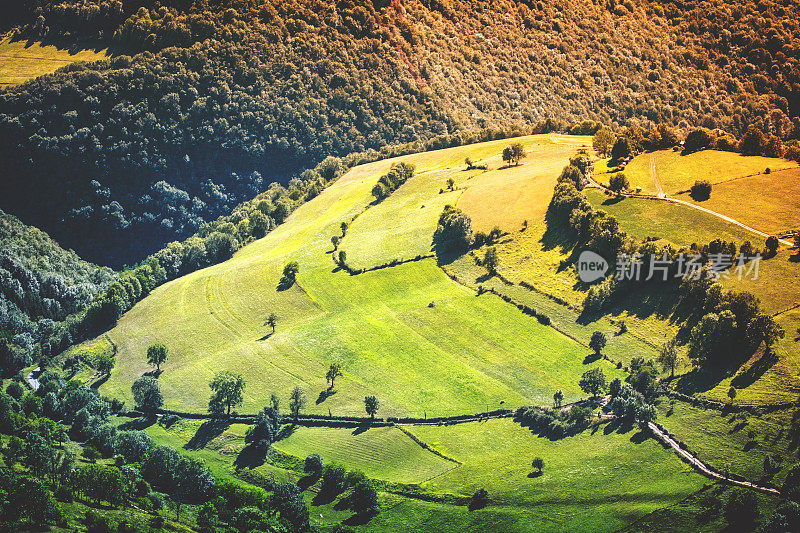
215, 100
40, 285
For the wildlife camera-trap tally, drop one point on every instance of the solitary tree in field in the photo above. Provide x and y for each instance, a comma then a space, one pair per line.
228, 391
272, 321
157, 355
296, 402
618, 182
334, 372
772, 244
371, 405
290, 271
538, 464
147, 394
732, 393
593, 381
491, 261
598, 342
451, 184
558, 398
668, 356
602, 141
468, 161
513, 153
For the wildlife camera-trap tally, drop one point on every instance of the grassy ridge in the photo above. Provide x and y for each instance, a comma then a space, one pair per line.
461, 355
21, 60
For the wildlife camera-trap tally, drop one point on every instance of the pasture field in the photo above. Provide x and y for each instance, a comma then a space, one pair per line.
642, 218
736, 442
384, 453
21, 60
767, 202
623, 475
678, 172
460, 354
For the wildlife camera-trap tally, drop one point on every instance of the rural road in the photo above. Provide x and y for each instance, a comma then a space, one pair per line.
654, 175
662, 196
701, 467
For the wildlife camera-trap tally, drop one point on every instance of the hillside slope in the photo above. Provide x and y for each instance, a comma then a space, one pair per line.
420, 341
217, 101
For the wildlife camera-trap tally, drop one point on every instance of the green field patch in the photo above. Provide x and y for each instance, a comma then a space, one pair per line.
381, 453
678, 172
591, 482
737, 443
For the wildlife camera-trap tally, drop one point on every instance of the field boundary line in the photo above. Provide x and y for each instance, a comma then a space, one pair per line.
425, 446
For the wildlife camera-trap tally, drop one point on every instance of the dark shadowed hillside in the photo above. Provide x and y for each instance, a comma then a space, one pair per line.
217, 99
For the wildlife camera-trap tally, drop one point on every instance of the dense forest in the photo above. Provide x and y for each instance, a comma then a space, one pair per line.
215, 100
40, 285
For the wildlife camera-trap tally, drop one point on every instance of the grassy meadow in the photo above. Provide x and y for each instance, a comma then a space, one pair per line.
421, 342
22, 60
678, 172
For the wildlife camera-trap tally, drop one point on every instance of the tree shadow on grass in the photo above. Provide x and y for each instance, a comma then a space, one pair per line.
324, 497
251, 456
141, 423
534, 475
360, 519
613, 200
324, 395
267, 336
285, 432
757, 369
641, 436
306, 481
591, 358
363, 428
96, 384
619, 426
208, 431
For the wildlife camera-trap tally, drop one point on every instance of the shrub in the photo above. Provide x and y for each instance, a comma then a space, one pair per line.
479, 500
701, 190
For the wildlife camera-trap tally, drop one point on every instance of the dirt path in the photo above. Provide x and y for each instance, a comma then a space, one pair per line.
654, 175
701, 467
726, 219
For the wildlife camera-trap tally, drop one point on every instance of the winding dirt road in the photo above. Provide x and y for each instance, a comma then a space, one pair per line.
701, 467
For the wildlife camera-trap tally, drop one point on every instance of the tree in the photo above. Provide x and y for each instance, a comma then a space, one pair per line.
147, 394
772, 244
364, 498
334, 372
313, 466
491, 261
157, 355
732, 393
513, 153
764, 328
272, 321
615, 387
296, 402
342, 258
668, 356
618, 182
602, 141
598, 342
621, 149
698, 139
451, 184
290, 271
105, 362
538, 464
593, 381
479, 500
701, 190
228, 391
371, 405
558, 398
468, 161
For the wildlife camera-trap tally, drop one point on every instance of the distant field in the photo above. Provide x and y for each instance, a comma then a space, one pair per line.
622, 477
20, 61
736, 443
461, 354
679, 172
767, 202
677, 223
